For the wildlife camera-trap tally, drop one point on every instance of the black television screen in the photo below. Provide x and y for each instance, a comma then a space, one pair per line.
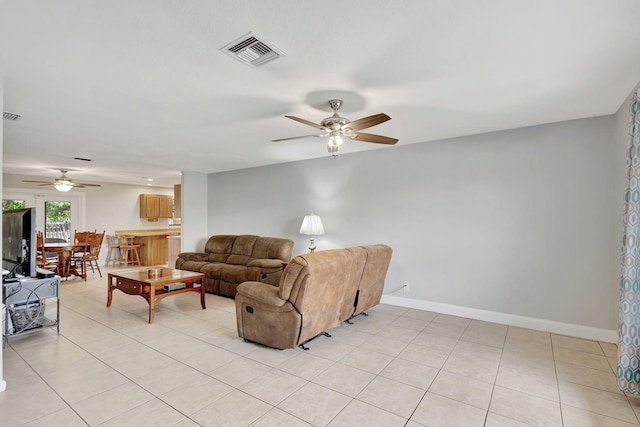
19, 242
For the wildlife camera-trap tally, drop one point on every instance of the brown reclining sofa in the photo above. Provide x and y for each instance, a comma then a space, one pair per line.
317, 291
229, 260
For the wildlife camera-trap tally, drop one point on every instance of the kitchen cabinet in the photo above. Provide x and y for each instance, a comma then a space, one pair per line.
154, 206
177, 201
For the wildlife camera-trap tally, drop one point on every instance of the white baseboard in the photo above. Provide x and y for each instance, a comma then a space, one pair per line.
579, 331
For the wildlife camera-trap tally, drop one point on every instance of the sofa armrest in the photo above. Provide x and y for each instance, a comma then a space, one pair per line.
194, 256
265, 263
261, 292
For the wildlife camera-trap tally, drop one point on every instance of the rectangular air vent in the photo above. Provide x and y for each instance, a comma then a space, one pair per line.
10, 116
252, 50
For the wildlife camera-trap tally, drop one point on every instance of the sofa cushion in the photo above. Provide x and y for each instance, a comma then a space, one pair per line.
242, 249
194, 265
265, 263
212, 270
237, 273
272, 248
219, 247
194, 256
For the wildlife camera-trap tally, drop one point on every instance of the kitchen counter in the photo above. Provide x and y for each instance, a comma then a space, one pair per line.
153, 244
149, 232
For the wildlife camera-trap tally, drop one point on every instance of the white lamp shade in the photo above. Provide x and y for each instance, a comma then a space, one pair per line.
312, 226
63, 186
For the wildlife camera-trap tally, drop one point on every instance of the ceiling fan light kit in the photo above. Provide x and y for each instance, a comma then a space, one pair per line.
62, 185
337, 128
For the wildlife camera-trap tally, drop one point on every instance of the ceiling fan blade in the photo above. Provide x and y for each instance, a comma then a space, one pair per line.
296, 137
367, 122
306, 122
378, 139
73, 184
39, 182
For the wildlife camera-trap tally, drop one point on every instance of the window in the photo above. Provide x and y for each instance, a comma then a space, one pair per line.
57, 225
8, 205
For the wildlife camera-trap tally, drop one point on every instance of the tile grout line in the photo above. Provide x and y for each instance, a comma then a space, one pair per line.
555, 370
495, 382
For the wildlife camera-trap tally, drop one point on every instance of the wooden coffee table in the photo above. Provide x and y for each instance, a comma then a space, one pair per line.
149, 284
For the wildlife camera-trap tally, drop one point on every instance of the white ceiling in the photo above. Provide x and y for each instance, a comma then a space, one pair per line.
142, 88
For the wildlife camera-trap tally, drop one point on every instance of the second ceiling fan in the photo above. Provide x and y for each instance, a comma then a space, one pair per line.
63, 183
337, 128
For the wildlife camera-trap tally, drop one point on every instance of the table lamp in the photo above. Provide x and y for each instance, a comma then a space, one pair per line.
312, 226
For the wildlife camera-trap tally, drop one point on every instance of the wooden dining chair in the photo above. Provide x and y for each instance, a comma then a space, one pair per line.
80, 237
77, 261
42, 259
90, 258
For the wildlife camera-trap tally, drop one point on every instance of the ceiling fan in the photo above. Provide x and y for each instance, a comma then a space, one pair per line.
337, 128
63, 183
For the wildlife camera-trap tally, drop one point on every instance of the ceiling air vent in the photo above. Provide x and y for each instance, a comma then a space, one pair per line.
252, 50
10, 116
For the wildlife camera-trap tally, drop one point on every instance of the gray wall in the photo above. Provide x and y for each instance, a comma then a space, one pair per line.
194, 211
519, 222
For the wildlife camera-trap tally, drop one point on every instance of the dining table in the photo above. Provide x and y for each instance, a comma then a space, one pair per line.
65, 251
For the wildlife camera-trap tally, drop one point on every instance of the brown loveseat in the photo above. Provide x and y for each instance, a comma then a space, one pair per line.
317, 291
229, 260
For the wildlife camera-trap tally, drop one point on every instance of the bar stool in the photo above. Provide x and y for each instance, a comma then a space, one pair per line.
128, 247
113, 254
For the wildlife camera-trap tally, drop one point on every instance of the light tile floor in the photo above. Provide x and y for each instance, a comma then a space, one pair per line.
396, 367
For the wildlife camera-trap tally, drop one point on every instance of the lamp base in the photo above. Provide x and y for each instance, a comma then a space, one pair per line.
312, 246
